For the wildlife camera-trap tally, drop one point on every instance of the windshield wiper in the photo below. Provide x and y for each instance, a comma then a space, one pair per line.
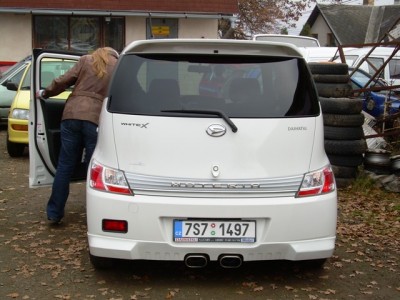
206, 112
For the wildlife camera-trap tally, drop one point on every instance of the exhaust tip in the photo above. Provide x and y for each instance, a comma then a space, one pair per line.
230, 261
196, 260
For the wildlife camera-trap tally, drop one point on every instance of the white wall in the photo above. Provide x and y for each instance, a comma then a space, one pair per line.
198, 28
135, 29
322, 30
15, 36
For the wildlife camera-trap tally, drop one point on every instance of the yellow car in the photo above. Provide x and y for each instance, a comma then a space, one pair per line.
17, 131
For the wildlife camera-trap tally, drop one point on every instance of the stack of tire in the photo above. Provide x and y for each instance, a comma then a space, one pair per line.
345, 144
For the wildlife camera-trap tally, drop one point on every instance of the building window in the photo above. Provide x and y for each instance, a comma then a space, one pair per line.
157, 28
114, 33
83, 34
330, 40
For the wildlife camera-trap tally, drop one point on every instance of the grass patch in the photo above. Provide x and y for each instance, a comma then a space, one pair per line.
363, 183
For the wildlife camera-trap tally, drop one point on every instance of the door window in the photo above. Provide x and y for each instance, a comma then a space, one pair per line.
394, 68
16, 78
374, 64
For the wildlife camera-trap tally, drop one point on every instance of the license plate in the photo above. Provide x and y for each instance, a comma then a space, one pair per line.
197, 231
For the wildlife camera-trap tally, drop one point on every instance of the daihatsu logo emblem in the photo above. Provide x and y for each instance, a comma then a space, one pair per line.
216, 130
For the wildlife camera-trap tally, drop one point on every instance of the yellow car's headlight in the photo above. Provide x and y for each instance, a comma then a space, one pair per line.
22, 114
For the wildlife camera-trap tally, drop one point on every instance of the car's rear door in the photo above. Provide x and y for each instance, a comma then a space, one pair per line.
45, 116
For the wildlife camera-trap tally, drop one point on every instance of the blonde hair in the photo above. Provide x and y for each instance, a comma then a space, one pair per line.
101, 58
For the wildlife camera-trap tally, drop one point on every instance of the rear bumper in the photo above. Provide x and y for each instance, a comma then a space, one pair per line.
286, 228
124, 249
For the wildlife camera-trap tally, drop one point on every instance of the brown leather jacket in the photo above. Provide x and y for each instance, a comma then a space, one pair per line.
86, 100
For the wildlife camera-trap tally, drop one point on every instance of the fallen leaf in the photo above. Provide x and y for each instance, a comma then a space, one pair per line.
258, 289
239, 292
249, 284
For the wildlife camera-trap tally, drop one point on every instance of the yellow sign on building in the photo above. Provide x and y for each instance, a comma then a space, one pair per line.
160, 30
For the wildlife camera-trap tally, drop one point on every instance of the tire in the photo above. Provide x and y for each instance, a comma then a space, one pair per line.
377, 158
330, 78
334, 90
343, 133
346, 160
343, 147
101, 263
378, 162
339, 120
344, 172
395, 165
377, 169
345, 106
329, 68
15, 149
342, 183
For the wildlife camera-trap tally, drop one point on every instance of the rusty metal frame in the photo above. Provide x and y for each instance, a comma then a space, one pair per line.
396, 48
387, 41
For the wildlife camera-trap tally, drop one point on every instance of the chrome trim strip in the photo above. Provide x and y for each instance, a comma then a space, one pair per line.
256, 187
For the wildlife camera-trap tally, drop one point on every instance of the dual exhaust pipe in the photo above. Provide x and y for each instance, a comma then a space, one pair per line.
228, 261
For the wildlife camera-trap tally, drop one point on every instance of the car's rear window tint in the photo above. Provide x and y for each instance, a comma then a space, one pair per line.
240, 86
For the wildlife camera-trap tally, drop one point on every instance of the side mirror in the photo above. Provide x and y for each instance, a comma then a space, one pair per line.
12, 86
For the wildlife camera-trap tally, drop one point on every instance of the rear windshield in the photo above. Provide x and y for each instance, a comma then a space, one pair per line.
239, 86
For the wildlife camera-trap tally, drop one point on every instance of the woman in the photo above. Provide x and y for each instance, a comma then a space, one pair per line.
90, 76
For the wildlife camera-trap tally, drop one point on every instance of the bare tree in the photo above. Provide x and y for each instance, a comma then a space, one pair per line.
264, 16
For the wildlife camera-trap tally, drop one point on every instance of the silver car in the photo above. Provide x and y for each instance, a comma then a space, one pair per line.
12, 75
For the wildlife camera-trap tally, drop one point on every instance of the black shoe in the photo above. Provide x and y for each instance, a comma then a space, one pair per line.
53, 221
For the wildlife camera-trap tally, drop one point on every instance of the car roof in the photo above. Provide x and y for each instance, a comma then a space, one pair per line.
298, 40
314, 54
366, 50
212, 46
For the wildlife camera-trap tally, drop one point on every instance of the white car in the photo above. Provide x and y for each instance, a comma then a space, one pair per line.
297, 40
319, 54
387, 58
236, 175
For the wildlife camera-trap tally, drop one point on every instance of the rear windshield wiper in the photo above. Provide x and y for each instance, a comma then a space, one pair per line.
207, 112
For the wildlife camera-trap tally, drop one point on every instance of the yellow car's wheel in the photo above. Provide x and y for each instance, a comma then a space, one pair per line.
15, 149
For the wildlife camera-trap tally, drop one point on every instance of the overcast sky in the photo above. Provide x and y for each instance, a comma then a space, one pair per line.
306, 14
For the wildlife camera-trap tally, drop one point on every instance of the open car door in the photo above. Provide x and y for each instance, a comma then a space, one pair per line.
45, 116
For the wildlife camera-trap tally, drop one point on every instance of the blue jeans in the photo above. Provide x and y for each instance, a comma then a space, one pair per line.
75, 134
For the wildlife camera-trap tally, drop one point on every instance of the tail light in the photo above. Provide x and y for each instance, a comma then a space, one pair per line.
120, 226
107, 179
317, 183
